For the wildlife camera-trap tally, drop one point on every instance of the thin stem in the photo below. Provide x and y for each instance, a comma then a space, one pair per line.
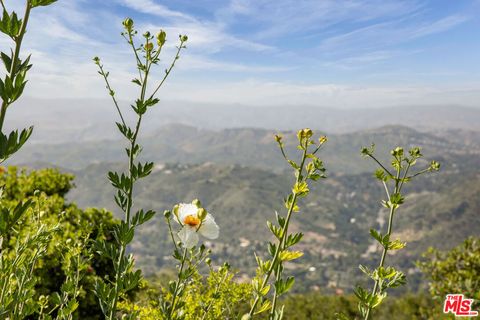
283, 237
167, 72
139, 62
385, 247
386, 189
381, 165
419, 173
171, 234
111, 92
13, 67
175, 293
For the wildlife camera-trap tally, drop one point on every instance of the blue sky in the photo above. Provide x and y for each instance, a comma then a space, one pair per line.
329, 53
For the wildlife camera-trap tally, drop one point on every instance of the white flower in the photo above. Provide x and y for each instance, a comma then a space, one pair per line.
188, 217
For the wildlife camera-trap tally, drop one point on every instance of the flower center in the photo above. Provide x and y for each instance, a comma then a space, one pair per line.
192, 221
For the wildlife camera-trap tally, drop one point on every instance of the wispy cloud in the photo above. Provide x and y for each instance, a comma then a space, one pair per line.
385, 34
153, 8
277, 42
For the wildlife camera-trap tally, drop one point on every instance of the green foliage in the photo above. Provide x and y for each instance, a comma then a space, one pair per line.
58, 236
217, 296
147, 54
388, 277
456, 271
13, 84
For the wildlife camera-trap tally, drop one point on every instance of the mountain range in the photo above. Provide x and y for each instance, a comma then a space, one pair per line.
241, 178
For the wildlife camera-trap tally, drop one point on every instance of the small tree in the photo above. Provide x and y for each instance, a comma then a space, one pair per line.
455, 271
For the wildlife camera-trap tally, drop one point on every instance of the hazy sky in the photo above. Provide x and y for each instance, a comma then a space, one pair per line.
332, 53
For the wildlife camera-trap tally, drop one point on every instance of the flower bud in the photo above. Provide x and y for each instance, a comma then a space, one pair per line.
208, 261
197, 203
434, 166
415, 152
161, 38
278, 138
167, 214
175, 210
398, 151
147, 34
149, 46
128, 24
308, 133
202, 214
183, 38
322, 139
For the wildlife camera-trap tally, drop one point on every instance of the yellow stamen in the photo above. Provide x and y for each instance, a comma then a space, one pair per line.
192, 221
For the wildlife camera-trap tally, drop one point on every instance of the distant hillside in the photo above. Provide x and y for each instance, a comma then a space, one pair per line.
63, 120
441, 211
240, 176
254, 147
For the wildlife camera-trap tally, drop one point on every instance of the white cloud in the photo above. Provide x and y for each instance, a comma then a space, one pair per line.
150, 7
261, 93
388, 33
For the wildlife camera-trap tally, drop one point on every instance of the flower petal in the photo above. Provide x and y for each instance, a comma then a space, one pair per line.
188, 236
209, 228
186, 209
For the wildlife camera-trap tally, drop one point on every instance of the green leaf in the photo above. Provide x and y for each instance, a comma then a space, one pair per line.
290, 255
38, 3
293, 239
396, 245
266, 305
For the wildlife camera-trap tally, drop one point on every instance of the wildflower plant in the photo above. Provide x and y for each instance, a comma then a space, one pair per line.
76, 258
193, 220
17, 263
393, 180
310, 168
19, 253
147, 55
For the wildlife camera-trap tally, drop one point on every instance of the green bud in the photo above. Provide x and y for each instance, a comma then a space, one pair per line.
434, 166
197, 203
308, 133
128, 24
183, 38
149, 46
167, 214
278, 138
175, 210
208, 261
304, 134
202, 214
246, 316
96, 60
397, 152
322, 139
161, 38
415, 152
147, 34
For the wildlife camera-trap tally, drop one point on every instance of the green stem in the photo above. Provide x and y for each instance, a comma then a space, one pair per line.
167, 72
111, 92
385, 247
175, 293
281, 241
16, 54
381, 165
